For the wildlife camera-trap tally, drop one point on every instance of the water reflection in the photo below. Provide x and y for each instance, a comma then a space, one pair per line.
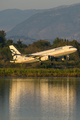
38, 98
4, 99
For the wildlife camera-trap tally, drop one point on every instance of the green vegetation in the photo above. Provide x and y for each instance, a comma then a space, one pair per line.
40, 45
40, 72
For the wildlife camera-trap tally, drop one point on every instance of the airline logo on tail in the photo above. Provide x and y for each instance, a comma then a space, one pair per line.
13, 52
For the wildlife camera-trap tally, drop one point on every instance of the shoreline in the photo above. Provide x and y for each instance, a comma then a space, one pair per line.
39, 72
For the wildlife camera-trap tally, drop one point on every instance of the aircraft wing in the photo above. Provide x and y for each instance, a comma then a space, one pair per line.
30, 55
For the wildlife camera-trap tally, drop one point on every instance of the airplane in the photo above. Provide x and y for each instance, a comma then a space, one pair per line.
56, 53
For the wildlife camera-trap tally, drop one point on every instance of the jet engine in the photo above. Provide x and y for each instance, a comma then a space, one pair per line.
62, 58
45, 58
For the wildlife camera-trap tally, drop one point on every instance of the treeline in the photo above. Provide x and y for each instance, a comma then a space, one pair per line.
40, 45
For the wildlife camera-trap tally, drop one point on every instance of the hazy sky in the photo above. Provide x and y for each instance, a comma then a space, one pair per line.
34, 4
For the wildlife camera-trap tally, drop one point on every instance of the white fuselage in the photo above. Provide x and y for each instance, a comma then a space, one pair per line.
56, 52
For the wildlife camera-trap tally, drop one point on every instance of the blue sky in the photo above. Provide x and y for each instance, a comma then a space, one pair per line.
34, 4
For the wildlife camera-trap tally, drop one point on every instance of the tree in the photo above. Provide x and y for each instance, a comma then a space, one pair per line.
9, 42
2, 36
42, 44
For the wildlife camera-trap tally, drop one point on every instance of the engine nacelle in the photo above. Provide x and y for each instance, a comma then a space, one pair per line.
65, 58
45, 58
61, 58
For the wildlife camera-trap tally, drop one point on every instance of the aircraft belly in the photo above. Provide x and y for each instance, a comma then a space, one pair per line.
30, 60
26, 60
17, 62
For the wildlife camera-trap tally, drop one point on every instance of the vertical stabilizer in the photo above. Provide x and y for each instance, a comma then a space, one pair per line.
15, 53
14, 50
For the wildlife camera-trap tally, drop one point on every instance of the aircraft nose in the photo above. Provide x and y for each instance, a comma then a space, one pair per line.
75, 49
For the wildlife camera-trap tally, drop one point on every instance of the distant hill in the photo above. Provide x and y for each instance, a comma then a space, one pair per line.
63, 22
24, 39
11, 17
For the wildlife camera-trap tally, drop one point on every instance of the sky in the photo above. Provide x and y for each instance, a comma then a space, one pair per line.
34, 4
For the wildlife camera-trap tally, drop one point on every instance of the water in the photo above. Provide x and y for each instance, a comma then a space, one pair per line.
39, 98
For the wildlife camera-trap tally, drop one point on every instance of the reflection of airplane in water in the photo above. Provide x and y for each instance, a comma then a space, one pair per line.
46, 95
56, 53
